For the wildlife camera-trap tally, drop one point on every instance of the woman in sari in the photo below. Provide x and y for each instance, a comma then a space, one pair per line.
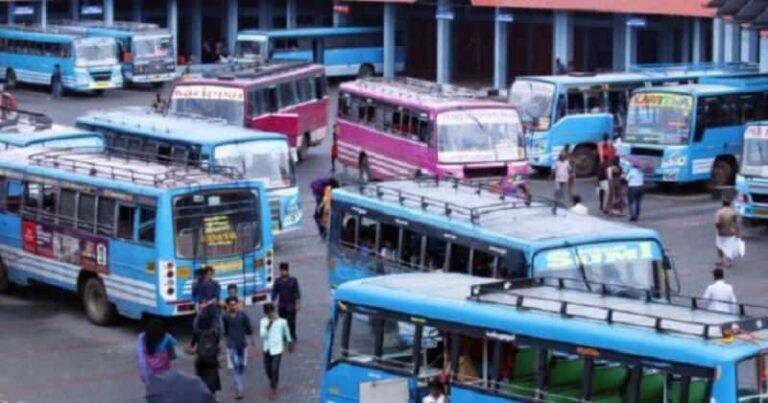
616, 204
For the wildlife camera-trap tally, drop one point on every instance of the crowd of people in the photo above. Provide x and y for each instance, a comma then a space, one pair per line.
212, 328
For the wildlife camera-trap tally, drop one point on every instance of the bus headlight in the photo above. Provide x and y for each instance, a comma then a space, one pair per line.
82, 77
292, 214
677, 160
539, 146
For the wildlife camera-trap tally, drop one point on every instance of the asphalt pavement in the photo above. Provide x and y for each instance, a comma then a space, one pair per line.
49, 352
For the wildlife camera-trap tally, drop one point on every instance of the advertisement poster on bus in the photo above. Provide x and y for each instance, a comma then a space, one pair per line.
87, 251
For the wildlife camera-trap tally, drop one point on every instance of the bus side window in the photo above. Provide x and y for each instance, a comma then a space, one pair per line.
562, 107
367, 235
389, 236
397, 121
86, 212
436, 251
370, 113
320, 87
31, 199
411, 246
3, 194
105, 220
146, 224
348, 230
424, 134
386, 118
345, 101
575, 102
15, 190
273, 104
259, 103
125, 220
483, 263
67, 207
304, 86
511, 265
459, 258
49, 203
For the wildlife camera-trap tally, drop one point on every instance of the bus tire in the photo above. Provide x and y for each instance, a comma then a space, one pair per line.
366, 70
158, 85
364, 170
584, 161
303, 149
5, 281
97, 307
98, 93
10, 79
722, 174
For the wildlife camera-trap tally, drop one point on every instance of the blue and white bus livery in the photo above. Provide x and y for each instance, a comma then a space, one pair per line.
30, 55
752, 181
128, 235
20, 129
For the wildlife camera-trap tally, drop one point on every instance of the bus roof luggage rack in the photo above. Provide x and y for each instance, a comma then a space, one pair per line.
678, 314
506, 203
117, 25
671, 68
12, 118
407, 87
174, 174
252, 70
226, 171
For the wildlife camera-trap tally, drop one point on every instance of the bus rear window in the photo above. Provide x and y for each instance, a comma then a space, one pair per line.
216, 224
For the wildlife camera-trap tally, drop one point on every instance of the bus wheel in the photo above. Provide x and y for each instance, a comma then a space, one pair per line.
5, 281
722, 174
364, 169
10, 79
584, 161
98, 309
158, 85
303, 149
366, 71
98, 93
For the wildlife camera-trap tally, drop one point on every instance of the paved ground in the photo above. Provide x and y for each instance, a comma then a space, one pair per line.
50, 353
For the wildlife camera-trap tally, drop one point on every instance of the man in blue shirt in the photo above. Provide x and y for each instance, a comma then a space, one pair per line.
208, 292
635, 182
287, 295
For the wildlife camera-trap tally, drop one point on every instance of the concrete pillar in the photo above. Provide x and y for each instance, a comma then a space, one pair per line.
749, 46
109, 12
172, 18
195, 28
685, 43
764, 54
696, 41
718, 48
44, 13
619, 31
444, 41
136, 10
390, 19
630, 47
666, 42
562, 47
500, 50
732, 42
265, 14
74, 9
339, 19
232, 25
291, 14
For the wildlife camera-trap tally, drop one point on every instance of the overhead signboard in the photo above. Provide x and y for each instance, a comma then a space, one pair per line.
91, 10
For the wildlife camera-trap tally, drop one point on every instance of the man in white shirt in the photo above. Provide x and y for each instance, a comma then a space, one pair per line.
635, 182
274, 334
562, 174
719, 295
578, 207
436, 394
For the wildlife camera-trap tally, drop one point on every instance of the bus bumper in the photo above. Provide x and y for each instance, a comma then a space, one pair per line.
152, 78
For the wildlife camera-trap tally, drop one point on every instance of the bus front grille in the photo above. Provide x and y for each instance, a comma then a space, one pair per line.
274, 212
759, 198
101, 75
485, 172
648, 152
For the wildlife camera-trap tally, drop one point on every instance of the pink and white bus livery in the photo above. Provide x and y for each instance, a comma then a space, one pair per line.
289, 98
404, 128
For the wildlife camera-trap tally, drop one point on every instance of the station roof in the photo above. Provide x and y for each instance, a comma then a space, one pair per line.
691, 8
751, 12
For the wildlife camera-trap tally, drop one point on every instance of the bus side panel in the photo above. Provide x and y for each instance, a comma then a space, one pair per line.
342, 381
132, 280
312, 120
287, 124
389, 157
716, 142
573, 130
348, 265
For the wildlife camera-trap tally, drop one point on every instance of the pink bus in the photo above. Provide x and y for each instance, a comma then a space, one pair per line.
289, 98
404, 128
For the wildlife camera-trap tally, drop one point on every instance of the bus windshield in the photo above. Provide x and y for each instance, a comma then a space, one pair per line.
534, 100
479, 135
216, 224
224, 103
269, 161
95, 52
755, 162
628, 264
659, 118
75, 142
152, 46
249, 49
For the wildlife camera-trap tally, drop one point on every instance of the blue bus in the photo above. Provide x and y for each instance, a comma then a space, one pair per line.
128, 235
579, 109
20, 129
31, 54
752, 181
345, 51
146, 50
208, 142
688, 133
438, 225
496, 341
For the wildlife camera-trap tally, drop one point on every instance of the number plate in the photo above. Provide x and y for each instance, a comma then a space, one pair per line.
101, 85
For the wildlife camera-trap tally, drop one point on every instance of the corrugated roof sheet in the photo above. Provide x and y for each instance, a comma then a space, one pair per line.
661, 7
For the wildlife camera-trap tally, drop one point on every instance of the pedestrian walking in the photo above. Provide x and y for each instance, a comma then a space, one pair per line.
232, 293
287, 295
321, 190
572, 175
158, 104
606, 152
615, 196
561, 173
208, 293
727, 234
334, 150
274, 334
436, 393
578, 207
635, 182
155, 349
56, 82
237, 333
205, 345
719, 295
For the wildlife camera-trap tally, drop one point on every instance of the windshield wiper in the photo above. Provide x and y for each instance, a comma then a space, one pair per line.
485, 131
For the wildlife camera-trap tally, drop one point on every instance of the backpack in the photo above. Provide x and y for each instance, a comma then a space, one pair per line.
208, 346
